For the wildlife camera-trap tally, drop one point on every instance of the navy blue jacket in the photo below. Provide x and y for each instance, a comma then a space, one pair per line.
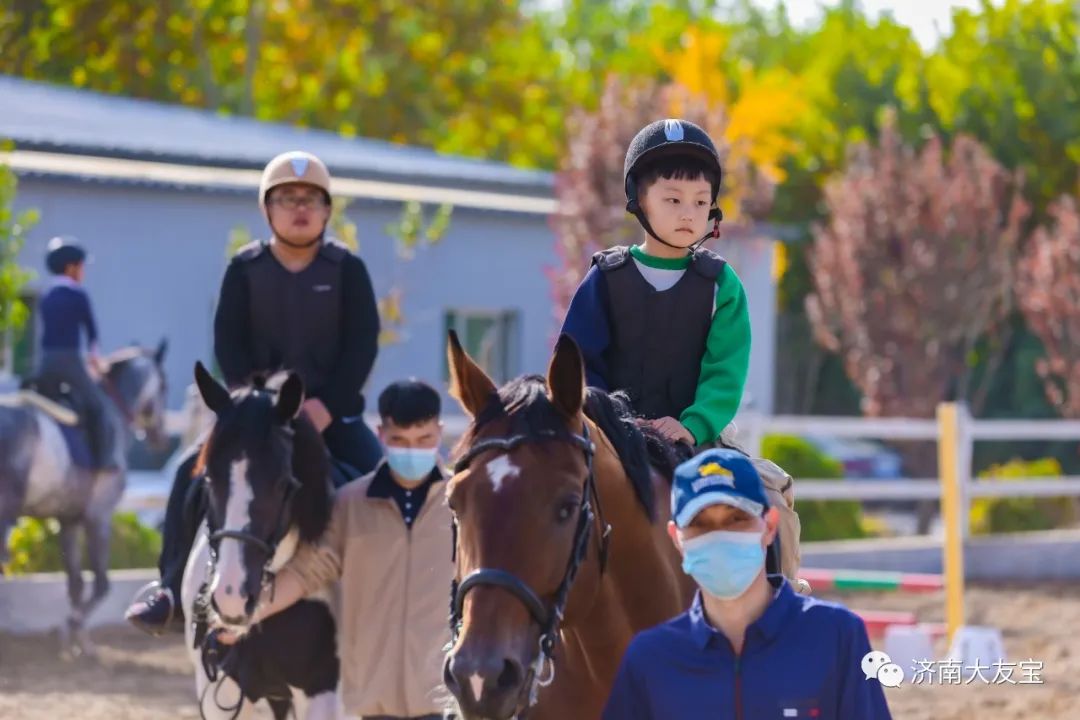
65, 312
801, 659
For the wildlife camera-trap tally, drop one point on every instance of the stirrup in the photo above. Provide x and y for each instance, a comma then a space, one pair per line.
143, 595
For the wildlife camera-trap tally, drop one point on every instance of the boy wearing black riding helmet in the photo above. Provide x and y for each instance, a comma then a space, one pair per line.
666, 321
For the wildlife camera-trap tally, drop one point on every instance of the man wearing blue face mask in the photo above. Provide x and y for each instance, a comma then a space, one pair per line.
749, 647
389, 544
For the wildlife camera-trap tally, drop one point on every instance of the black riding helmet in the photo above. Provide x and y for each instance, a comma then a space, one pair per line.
61, 252
664, 138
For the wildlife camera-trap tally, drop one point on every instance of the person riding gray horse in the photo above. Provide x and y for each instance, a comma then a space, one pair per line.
66, 316
302, 303
46, 471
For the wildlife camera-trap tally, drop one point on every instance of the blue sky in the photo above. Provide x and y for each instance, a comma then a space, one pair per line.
919, 15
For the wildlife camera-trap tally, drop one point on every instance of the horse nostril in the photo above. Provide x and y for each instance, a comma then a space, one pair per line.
228, 589
511, 675
243, 592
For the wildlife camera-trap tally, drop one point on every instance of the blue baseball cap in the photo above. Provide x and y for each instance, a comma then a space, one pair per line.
716, 477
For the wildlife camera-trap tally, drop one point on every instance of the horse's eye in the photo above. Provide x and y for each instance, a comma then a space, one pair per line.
566, 510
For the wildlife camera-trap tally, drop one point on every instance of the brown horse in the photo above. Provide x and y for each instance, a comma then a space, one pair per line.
546, 600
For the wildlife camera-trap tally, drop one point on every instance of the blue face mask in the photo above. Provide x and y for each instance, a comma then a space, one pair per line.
724, 563
411, 463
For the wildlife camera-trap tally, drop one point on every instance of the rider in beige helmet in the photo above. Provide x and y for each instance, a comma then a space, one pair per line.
292, 168
299, 301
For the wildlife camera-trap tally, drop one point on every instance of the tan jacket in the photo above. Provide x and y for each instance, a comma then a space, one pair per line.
394, 598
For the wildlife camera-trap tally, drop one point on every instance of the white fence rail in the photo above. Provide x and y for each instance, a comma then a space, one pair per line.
148, 490
752, 427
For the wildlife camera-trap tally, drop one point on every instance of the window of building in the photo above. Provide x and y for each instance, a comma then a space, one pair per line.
492, 339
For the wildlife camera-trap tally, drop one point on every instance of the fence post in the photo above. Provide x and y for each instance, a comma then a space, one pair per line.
965, 451
750, 425
949, 472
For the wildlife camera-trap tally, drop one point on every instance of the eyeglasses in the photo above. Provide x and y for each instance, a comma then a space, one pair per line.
294, 202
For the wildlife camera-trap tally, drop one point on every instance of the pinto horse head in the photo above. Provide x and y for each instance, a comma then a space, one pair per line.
267, 474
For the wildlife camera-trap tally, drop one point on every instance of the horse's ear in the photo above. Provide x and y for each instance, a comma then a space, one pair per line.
469, 385
213, 393
290, 398
566, 377
159, 354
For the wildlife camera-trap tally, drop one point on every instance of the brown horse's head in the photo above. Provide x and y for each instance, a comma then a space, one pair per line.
521, 513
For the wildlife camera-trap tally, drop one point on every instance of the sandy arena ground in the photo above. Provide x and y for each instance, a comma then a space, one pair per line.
137, 676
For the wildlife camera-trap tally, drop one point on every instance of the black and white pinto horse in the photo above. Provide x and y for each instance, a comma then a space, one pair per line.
267, 475
40, 477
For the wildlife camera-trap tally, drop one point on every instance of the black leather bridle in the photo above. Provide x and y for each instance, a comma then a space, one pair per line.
267, 545
548, 618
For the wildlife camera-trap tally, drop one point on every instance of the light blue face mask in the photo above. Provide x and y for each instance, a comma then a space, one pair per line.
411, 463
724, 563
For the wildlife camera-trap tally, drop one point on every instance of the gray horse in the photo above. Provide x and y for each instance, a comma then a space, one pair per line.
39, 477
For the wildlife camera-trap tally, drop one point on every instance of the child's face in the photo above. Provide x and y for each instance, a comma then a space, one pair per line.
76, 271
678, 210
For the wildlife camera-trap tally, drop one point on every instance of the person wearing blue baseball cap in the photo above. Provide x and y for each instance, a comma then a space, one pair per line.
749, 647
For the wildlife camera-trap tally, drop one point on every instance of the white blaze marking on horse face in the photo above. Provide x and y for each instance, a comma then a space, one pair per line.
477, 683
230, 566
501, 469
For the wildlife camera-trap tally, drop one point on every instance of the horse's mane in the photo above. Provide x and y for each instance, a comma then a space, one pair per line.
640, 448
525, 404
123, 355
252, 416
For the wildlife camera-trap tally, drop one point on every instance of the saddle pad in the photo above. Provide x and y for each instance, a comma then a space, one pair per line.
29, 398
78, 447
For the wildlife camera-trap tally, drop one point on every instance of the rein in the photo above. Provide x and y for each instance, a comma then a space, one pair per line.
113, 392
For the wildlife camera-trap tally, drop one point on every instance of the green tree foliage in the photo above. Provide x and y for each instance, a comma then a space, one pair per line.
14, 227
35, 545
1009, 75
1002, 515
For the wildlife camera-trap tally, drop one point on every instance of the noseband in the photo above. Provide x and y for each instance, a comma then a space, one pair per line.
281, 528
268, 546
547, 618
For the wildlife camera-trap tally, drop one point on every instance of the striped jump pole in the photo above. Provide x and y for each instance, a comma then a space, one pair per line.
878, 621
858, 580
